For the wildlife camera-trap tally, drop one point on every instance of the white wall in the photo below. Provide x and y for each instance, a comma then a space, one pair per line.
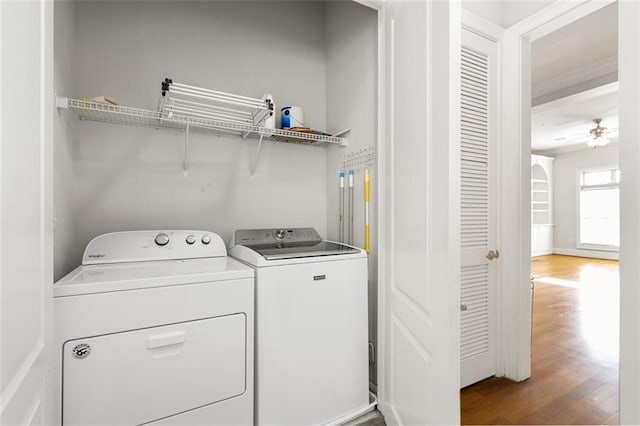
490, 10
517, 10
351, 40
505, 13
565, 198
131, 178
63, 127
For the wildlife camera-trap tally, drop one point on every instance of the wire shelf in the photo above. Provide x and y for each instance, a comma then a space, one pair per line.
108, 113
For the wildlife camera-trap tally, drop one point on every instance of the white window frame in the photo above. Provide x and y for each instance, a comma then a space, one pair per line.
579, 172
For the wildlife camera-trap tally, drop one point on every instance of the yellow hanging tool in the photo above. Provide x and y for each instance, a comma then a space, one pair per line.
367, 197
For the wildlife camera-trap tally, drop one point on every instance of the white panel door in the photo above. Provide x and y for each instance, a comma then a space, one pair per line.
419, 372
26, 267
478, 209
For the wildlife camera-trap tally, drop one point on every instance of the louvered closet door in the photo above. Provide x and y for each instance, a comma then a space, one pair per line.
478, 209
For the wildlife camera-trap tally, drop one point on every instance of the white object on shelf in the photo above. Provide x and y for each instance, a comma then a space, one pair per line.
118, 114
292, 116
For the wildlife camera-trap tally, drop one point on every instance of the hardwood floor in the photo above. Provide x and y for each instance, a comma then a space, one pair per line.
574, 351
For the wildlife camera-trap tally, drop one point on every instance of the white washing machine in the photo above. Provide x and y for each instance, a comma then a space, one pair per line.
155, 327
311, 326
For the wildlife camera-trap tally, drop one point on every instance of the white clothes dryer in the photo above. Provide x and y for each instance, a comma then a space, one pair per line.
311, 326
155, 327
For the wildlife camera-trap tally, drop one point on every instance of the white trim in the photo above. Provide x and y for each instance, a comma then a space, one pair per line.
597, 247
481, 26
47, 416
594, 254
515, 299
28, 366
514, 327
373, 4
555, 16
1, 150
383, 282
379, 387
31, 416
629, 157
541, 253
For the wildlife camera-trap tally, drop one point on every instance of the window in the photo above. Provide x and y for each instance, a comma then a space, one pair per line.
599, 209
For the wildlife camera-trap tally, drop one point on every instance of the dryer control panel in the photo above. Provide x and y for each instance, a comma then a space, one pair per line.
141, 246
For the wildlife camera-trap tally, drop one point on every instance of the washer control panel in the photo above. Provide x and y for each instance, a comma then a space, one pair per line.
270, 236
139, 246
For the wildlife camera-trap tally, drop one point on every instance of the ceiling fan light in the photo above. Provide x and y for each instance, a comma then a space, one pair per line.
597, 142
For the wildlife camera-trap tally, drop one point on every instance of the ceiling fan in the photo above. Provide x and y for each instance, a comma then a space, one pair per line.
597, 132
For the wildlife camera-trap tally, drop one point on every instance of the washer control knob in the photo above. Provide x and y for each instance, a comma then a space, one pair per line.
162, 239
280, 234
190, 239
206, 239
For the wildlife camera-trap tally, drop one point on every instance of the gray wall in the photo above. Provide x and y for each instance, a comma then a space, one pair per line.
321, 56
565, 196
351, 40
114, 178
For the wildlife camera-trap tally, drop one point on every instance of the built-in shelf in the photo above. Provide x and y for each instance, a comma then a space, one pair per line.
540, 203
118, 114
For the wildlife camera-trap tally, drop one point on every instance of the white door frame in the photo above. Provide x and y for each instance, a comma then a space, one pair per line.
629, 158
515, 294
378, 6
